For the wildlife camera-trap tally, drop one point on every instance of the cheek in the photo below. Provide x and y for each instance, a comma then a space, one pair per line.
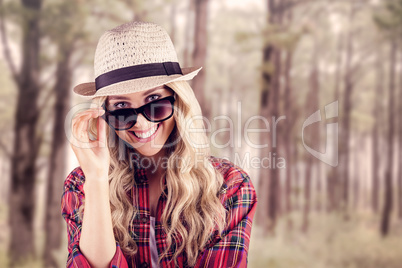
170, 124
122, 135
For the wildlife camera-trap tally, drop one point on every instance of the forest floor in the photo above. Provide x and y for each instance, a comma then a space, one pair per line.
331, 242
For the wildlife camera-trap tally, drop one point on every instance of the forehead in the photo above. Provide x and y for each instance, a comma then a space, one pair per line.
140, 95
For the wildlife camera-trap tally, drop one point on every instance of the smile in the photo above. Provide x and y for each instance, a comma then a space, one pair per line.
146, 136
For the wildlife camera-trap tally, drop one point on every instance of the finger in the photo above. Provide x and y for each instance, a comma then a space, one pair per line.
96, 116
83, 128
87, 115
92, 111
75, 131
102, 128
80, 129
77, 120
82, 125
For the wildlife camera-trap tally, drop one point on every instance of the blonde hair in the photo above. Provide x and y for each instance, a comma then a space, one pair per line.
193, 188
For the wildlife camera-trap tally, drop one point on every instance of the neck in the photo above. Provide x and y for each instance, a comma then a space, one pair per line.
155, 164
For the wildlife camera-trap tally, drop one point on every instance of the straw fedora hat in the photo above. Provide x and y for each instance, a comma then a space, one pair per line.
133, 57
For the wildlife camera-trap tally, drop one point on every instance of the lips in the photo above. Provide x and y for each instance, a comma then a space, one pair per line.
144, 136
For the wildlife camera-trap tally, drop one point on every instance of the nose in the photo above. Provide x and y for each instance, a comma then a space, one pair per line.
142, 123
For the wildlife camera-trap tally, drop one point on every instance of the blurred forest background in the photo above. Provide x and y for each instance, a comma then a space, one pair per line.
335, 63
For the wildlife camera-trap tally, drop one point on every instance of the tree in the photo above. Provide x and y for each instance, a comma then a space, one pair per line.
375, 132
65, 32
350, 78
287, 138
57, 159
188, 33
333, 187
312, 103
269, 178
200, 51
389, 20
388, 195
27, 142
399, 200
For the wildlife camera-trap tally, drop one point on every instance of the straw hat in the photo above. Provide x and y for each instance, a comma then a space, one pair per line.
133, 57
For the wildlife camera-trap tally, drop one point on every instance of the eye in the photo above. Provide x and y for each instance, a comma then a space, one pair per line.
120, 105
153, 97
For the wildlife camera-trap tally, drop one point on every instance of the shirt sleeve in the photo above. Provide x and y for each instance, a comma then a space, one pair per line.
72, 200
231, 249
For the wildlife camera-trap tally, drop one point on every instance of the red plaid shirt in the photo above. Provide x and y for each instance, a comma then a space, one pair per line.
238, 197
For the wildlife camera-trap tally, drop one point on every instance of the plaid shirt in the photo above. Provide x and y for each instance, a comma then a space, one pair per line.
237, 195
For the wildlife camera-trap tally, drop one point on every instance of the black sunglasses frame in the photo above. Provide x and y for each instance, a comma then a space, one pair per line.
139, 110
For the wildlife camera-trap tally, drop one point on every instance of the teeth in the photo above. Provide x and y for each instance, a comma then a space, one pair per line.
146, 134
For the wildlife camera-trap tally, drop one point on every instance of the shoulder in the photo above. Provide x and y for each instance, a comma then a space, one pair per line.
73, 195
75, 180
235, 178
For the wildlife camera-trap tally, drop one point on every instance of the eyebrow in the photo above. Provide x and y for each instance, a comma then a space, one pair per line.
152, 90
117, 98
121, 97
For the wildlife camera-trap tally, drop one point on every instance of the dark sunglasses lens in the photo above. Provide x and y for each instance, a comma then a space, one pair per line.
122, 119
159, 110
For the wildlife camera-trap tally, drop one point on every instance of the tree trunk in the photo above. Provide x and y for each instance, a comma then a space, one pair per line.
333, 186
307, 193
319, 200
347, 109
297, 178
359, 145
312, 103
274, 191
57, 161
200, 52
173, 22
399, 199
388, 195
188, 34
269, 176
289, 123
377, 119
26, 143
267, 182
287, 134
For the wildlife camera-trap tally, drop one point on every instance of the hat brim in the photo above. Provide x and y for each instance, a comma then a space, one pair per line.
136, 85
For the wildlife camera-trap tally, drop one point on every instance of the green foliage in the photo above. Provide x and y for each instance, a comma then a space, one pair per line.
283, 37
389, 17
14, 12
64, 21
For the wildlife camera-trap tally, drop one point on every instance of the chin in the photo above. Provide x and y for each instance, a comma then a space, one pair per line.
147, 149
151, 152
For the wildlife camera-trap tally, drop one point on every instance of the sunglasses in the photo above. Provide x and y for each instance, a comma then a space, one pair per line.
155, 111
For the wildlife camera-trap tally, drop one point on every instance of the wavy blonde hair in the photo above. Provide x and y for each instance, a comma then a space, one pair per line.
193, 188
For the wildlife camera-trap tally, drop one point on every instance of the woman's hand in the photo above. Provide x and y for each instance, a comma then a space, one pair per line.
94, 158
93, 155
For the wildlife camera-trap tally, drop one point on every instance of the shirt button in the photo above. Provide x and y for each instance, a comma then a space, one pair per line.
144, 265
144, 220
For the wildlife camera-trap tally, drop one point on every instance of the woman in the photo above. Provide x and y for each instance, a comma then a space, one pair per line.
147, 192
